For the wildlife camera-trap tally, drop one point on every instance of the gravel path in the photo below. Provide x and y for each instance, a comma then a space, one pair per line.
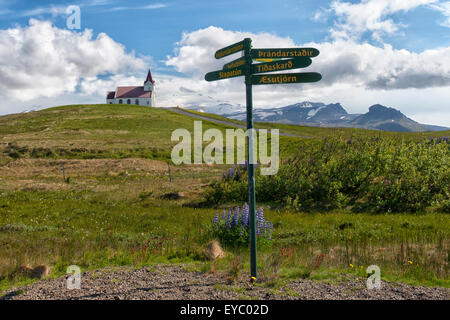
174, 282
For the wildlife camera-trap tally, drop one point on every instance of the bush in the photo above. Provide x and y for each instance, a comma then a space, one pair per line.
365, 174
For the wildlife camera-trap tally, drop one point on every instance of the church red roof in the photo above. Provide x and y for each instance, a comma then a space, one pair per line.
111, 95
132, 92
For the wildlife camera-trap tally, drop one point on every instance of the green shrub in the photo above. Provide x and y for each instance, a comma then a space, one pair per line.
365, 174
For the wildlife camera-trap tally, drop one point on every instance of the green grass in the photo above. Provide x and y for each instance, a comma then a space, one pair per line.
95, 230
94, 131
113, 213
124, 131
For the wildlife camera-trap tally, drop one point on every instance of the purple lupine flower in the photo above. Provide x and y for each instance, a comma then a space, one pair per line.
270, 229
224, 175
235, 218
223, 215
216, 219
245, 215
259, 220
228, 223
260, 216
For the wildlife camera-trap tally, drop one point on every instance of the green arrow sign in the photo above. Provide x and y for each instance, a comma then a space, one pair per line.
281, 65
239, 46
235, 63
283, 78
225, 74
284, 53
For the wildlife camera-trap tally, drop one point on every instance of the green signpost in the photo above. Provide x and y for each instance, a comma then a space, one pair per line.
235, 63
274, 60
281, 65
225, 74
230, 50
284, 53
282, 78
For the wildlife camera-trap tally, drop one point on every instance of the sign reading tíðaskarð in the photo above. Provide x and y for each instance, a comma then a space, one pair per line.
281, 65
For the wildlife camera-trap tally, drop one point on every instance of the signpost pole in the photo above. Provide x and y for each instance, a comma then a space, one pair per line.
251, 158
275, 60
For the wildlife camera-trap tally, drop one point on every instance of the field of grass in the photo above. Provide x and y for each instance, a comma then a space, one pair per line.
117, 206
320, 132
98, 229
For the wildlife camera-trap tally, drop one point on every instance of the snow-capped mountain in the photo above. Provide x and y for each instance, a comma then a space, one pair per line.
329, 115
299, 113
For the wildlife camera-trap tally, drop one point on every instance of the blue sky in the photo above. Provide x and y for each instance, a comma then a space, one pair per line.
391, 52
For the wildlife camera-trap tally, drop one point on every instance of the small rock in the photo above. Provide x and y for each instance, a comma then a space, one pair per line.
214, 251
37, 272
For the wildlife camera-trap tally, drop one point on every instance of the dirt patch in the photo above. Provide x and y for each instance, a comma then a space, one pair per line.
27, 167
174, 282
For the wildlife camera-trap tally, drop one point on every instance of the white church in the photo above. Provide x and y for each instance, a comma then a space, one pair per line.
141, 95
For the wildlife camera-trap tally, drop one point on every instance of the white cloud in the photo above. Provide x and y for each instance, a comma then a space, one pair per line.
53, 10
71, 67
194, 54
444, 8
147, 7
340, 61
357, 74
41, 60
353, 19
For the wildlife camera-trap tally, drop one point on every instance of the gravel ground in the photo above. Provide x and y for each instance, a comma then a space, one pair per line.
174, 282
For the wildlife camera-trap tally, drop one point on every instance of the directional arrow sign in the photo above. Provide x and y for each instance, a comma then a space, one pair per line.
225, 74
235, 63
281, 65
284, 53
239, 46
282, 78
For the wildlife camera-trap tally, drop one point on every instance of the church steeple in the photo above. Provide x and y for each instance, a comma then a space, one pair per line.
149, 82
149, 77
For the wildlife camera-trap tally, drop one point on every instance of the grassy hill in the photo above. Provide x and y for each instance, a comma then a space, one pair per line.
93, 131
123, 131
115, 204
